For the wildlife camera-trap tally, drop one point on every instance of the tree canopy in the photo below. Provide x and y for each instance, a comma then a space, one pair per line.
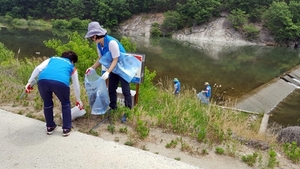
282, 18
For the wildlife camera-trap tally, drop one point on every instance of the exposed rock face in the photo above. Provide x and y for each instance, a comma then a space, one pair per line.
212, 37
140, 25
289, 135
218, 31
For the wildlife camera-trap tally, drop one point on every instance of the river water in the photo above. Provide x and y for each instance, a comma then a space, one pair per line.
237, 69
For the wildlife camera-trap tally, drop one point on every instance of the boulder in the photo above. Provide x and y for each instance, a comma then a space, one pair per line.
289, 135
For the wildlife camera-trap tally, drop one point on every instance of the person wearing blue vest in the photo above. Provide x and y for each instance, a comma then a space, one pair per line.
204, 95
176, 86
109, 45
54, 76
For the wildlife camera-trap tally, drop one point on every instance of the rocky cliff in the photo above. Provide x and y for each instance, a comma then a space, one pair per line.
212, 37
218, 30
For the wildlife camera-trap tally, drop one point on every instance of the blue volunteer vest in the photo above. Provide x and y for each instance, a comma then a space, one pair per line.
105, 48
208, 94
58, 69
177, 87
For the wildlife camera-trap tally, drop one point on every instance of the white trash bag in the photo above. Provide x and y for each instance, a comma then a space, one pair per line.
75, 113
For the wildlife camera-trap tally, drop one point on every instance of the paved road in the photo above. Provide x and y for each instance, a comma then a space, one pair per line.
24, 144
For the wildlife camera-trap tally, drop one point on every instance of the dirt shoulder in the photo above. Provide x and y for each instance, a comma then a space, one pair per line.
186, 150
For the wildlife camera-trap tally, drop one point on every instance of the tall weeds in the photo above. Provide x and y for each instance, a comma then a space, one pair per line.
157, 106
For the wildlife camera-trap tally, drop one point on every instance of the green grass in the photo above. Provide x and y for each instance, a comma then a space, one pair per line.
250, 159
184, 115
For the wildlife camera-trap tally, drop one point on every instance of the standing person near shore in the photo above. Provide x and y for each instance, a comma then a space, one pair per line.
108, 45
204, 95
54, 76
176, 86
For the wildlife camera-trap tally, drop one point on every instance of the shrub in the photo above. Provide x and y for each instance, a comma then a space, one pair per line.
80, 46
20, 23
5, 55
201, 134
238, 18
250, 159
60, 23
250, 32
219, 150
292, 151
76, 24
142, 129
272, 159
38, 22
172, 144
173, 21
8, 18
155, 30
128, 44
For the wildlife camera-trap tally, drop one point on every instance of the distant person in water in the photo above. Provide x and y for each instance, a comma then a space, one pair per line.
176, 86
204, 95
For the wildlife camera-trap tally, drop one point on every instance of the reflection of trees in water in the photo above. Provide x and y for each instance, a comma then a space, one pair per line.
239, 69
30, 41
287, 111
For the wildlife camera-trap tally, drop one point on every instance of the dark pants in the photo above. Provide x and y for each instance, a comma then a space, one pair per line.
62, 91
113, 83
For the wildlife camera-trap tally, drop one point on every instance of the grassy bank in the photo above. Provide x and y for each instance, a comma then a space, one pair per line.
211, 126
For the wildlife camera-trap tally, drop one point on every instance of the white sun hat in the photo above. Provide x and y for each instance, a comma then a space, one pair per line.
94, 28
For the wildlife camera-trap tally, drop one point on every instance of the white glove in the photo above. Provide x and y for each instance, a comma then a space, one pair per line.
79, 104
28, 88
105, 75
89, 70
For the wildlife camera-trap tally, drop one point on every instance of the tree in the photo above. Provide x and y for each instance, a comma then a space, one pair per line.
172, 21
278, 19
198, 11
295, 10
238, 18
128, 44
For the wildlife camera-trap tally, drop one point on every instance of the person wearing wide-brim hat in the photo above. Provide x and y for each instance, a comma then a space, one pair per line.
204, 95
109, 45
176, 86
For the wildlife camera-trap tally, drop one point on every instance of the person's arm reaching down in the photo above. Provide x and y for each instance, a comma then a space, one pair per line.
76, 88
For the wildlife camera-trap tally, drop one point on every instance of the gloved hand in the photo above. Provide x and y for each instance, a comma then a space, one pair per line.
79, 105
105, 75
89, 70
28, 88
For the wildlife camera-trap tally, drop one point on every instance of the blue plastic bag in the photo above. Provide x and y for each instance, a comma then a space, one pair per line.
96, 90
126, 67
203, 98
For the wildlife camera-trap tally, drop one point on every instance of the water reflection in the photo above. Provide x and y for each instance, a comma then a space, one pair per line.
287, 112
30, 41
238, 69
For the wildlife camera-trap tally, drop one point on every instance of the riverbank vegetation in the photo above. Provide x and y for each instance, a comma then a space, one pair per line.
72, 24
281, 18
211, 126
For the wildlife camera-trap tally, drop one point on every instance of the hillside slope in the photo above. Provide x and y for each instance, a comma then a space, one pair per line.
219, 31
212, 38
